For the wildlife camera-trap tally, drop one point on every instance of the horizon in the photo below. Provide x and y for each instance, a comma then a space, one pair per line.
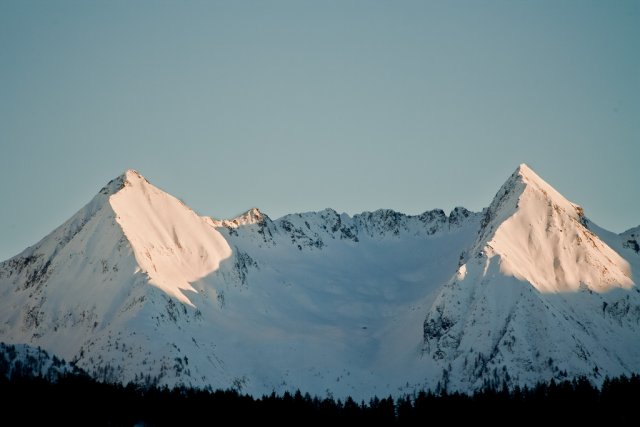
299, 106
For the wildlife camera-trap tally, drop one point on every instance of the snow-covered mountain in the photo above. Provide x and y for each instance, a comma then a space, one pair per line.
539, 295
138, 287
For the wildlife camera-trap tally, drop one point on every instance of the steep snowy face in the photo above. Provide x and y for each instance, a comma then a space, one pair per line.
171, 243
537, 296
94, 271
538, 236
72, 284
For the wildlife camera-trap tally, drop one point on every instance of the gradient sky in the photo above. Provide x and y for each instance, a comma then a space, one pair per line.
293, 106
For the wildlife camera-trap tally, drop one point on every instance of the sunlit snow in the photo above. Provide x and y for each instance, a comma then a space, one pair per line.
138, 287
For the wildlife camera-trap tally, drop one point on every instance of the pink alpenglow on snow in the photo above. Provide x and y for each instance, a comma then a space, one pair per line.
138, 287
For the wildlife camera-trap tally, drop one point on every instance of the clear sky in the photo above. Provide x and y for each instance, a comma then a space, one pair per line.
293, 106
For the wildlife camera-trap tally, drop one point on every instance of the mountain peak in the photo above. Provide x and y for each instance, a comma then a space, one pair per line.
524, 169
539, 237
523, 186
128, 177
252, 216
133, 175
529, 176
171, 243
532, 179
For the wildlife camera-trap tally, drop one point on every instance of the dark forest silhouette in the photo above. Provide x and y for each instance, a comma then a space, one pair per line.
76, 399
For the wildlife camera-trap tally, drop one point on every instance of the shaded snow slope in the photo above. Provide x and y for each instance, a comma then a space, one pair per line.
332, 302
138, 287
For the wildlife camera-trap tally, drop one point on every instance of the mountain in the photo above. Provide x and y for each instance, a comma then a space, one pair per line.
138, 287
539, 295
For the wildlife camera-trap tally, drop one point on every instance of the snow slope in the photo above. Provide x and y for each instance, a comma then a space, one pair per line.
138, 287
538, 296
99, 276
171, 243
543, 242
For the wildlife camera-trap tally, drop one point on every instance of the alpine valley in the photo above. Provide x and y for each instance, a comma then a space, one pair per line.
137, 287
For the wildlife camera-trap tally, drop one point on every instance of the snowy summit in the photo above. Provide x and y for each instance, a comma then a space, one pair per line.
138, 287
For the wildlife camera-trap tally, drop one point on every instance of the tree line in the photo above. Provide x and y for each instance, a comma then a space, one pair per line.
77, 399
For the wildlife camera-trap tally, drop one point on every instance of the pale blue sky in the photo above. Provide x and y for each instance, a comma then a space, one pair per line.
298, 105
